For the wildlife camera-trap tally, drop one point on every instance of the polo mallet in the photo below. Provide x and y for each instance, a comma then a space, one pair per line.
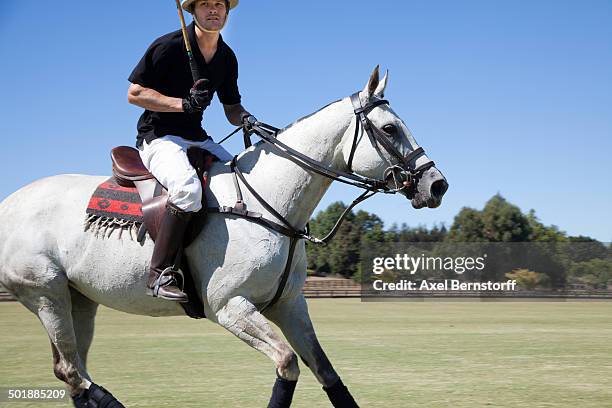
195, 74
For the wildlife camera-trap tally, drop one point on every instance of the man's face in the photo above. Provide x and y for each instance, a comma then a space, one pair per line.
211, 15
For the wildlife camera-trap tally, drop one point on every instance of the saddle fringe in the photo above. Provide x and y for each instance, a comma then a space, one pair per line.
105, 226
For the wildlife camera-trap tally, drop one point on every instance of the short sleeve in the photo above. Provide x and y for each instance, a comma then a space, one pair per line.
228, 90
151, 67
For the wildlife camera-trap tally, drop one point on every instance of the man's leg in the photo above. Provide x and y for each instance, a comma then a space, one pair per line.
167, 160
164, 274
216, 149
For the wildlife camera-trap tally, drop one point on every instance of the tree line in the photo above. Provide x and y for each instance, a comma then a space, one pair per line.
556, 259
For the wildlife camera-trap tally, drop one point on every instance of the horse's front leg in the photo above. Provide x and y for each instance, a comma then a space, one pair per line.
291, 315
241, 318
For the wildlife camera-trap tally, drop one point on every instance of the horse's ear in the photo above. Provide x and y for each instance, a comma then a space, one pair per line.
368, 91
380, 89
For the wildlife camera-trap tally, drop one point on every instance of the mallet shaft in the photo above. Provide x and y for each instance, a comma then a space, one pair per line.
192, 63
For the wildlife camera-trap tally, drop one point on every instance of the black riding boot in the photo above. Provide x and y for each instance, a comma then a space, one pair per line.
163, 280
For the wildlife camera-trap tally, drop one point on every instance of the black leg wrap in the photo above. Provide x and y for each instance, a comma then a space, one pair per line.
98, 397
80, 400
282, 393
340, 396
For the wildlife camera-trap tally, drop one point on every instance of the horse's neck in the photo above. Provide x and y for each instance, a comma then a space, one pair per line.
290, 189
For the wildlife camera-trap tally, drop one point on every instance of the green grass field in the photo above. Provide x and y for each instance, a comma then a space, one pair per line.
431, 354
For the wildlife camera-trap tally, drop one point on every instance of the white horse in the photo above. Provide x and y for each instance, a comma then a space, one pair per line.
62, 273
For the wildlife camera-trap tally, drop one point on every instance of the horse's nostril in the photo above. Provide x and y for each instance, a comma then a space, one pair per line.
438, 188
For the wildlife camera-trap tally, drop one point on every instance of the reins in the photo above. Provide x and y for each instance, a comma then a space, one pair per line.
268, 135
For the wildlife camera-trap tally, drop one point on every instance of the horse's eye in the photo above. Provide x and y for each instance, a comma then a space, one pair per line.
390, 129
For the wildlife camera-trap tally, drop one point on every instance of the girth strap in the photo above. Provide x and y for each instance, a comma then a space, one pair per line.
284, 277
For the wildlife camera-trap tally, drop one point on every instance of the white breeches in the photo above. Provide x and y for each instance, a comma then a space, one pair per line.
166, 158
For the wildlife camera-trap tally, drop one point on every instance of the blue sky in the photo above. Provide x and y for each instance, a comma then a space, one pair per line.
512, 97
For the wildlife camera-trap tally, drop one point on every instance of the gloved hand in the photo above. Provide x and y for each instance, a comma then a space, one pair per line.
199, 97
248, 121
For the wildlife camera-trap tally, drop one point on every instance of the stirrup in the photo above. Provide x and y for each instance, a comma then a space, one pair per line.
168, 271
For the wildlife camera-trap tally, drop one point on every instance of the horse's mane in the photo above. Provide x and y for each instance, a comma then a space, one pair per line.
289, 126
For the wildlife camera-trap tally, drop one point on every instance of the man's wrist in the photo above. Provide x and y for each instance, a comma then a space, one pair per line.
179, 104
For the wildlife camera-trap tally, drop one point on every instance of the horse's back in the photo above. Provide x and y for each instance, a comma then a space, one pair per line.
52, 186
36, 205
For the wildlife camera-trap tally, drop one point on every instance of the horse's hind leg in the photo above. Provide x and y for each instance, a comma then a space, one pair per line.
54, 309
241, 318
83, 318
48, 296
29, 270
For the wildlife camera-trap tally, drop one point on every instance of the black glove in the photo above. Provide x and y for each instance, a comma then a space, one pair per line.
199, 97
248, 121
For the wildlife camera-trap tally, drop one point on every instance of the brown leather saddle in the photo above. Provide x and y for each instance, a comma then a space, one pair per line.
130, 172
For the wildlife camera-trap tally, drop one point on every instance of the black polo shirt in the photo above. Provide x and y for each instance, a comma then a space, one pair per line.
165, 68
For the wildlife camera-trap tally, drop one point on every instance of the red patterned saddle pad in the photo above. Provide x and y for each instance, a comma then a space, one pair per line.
110, 200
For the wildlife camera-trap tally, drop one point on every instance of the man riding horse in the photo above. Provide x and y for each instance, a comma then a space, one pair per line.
163, 85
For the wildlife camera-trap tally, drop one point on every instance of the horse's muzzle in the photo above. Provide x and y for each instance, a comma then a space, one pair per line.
430, 190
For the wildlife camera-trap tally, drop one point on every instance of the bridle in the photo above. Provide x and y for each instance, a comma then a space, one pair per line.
404, 173
405, 165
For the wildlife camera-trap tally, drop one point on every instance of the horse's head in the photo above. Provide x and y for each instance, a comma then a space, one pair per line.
383, 148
